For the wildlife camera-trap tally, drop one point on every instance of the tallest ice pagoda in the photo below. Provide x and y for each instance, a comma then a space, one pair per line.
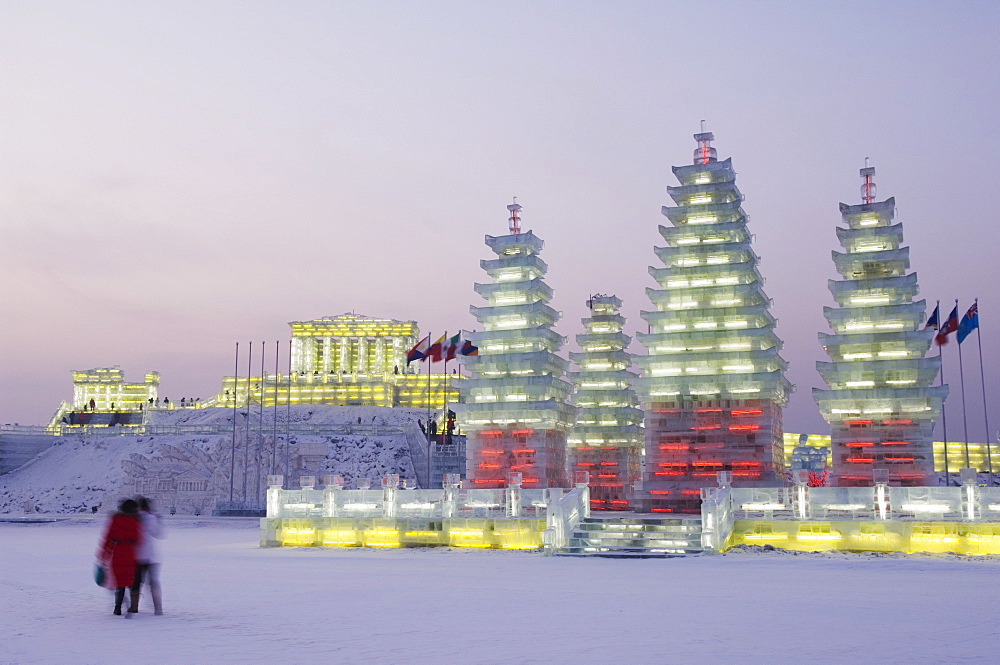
713, 385
880, 404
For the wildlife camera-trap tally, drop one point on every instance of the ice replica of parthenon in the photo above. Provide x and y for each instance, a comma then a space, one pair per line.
699, 423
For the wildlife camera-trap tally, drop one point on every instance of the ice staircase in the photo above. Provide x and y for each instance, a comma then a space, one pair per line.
635, 536
416, 441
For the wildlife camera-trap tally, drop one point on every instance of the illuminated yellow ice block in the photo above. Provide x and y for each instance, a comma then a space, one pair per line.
875, 537
381, 532
469, 533
981, 539
973, 539
297, 533
339, 532
422, 533
935, 537
518, 534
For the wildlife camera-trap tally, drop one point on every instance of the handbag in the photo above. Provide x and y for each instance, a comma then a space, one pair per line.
99, 574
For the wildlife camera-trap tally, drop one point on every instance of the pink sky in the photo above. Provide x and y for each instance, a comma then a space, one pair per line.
176, 177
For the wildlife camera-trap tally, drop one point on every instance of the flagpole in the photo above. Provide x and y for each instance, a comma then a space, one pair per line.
944, 422
982, 379
430, 441
447, 386
246, 427
232, 458
260, 430
444, 421
288, 416
274, 430
944, 415
961, 380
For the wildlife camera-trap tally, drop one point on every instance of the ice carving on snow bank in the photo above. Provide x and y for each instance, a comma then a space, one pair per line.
184, 477
191, 477
185, 462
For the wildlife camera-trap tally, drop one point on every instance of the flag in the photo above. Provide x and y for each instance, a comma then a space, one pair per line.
434, 352
452, 346
934, 320
419, 350
950, 326
969, 322
468, 349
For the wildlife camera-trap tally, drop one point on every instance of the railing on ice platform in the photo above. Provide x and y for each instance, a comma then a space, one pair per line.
393, 501
566, 511
722, 506
717, 517
966, 503
561, 510
297, 429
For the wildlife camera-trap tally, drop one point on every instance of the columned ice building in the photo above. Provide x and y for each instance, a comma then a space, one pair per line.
351, 344
349, 360
516, 415
880, 403
713, 383
607, 439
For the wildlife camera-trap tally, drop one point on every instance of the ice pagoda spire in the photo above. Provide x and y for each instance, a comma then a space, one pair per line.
713, 385
880, 403
514, 221
516, 414
868, 188
704, 153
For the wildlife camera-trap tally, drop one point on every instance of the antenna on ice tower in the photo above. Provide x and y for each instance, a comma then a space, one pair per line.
705, 153
868, 189
514, 221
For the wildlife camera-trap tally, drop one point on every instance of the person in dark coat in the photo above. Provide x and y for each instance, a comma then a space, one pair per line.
118, 549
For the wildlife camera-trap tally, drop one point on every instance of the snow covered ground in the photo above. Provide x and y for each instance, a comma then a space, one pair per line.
229, 601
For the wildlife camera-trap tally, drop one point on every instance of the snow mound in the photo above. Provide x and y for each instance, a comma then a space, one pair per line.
189, 471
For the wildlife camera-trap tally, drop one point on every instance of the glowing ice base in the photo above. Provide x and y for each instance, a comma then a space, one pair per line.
497, 533
881, 536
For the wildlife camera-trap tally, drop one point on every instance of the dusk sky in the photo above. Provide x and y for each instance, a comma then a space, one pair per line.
176, 177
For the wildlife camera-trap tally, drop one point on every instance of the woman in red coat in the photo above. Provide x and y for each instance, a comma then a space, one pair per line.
118, 549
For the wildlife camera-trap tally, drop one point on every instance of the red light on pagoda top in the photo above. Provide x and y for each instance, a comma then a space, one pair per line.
868, 189
514, 220
704, 153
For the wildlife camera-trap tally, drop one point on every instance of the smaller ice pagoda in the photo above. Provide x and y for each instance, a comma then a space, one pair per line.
607, 440
880, 404
516, 415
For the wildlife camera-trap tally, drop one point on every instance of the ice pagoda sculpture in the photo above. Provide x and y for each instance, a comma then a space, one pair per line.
880, 403
607, 439
713, 383
516, 415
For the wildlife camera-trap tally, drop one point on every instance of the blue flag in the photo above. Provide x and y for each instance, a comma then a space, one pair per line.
969, 322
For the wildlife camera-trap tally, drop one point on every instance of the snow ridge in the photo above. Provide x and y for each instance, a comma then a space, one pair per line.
188, 470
